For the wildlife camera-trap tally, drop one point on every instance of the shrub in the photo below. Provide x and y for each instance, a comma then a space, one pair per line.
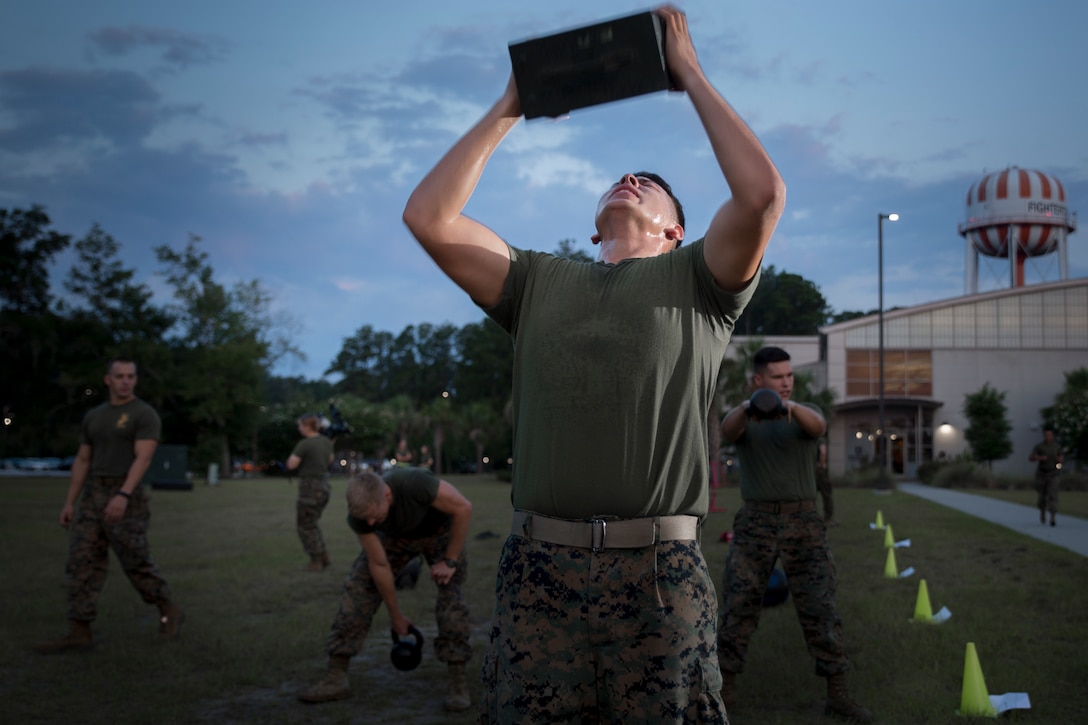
928, 470
864, 476
962, 474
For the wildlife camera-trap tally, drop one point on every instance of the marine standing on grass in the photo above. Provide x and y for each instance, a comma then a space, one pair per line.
1047, 455
604, 607
778, 521
407, 513
311, 457
118, 440
823, 484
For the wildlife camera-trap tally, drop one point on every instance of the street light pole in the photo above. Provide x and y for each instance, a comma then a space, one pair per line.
882, 474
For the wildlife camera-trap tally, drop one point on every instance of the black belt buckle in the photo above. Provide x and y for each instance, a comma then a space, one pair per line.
597, 534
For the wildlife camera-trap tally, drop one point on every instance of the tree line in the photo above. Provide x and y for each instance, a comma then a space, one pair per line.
206, 355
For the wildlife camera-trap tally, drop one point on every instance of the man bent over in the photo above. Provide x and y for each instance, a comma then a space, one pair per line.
407, 513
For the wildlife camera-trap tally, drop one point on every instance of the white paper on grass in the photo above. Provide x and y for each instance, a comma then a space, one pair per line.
906, 572
905, 543
1010, 701
942, 615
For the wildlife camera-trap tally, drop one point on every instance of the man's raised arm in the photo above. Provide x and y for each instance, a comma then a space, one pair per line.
470, 254
742, 227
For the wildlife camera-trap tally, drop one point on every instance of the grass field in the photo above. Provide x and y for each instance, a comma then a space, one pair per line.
256, 622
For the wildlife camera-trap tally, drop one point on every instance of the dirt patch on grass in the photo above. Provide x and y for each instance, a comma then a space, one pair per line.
380, 693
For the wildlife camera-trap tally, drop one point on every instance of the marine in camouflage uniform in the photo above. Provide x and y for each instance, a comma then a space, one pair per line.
779, 521
614, 373
409, 513
1047, 455
118, 441
311, 458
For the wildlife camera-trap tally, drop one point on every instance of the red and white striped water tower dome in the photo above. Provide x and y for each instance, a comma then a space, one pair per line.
1015, 214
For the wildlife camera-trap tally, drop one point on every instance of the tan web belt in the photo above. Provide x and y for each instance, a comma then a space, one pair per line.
598, 533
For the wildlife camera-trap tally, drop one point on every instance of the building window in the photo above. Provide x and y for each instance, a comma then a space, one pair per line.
907, 373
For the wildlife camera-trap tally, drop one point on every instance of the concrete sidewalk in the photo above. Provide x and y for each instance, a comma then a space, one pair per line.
1070, 533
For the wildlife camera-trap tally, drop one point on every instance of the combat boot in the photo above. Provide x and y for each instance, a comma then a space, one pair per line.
77, 639
729, 688
457, 697
317, 563
170, 619
841, 704
334, 686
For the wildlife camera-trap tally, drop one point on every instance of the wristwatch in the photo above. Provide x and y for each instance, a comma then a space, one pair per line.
451, 563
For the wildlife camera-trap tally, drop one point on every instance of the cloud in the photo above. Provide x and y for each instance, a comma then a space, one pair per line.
47, 107
550, 169
258, 140
177, 50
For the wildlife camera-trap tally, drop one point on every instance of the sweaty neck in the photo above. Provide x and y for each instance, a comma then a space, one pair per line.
618, 249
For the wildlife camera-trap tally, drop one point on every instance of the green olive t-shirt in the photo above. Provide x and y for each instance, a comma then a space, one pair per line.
314, 452
615, 367
112, 432
776, 461
412, 515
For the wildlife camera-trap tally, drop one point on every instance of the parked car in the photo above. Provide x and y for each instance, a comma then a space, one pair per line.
40, 464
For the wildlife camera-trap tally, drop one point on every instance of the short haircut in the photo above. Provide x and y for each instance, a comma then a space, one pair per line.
766, 356
364, 490
124, 360
668, 190
310, 420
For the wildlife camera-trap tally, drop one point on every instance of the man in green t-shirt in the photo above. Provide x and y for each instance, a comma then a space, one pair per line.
311, 458
117, 443
779, 521
407, 513
1047, 455
604, 608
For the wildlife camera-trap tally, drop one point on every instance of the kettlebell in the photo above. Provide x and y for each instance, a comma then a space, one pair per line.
778, 589
765, 404
406, 655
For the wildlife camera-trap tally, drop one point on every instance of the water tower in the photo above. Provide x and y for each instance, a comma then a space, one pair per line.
1015, 214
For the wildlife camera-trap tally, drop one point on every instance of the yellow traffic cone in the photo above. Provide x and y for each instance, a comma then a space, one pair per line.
975, 699
889, 539
890, 570
879, 519
922, 611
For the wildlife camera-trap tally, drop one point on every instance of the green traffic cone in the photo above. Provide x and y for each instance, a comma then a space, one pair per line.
975, 700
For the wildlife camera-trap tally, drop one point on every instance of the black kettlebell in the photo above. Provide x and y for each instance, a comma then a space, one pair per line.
765, 404
778, 589
406, 655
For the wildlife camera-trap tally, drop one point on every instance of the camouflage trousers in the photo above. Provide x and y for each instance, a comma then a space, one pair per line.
1046, 484
360, 599
313, 497
620, 635
799, 541
89, 540
823, 485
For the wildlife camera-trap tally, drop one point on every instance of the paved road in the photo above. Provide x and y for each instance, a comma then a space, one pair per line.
1070, 533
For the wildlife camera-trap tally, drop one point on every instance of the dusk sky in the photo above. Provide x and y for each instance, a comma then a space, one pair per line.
289, 135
